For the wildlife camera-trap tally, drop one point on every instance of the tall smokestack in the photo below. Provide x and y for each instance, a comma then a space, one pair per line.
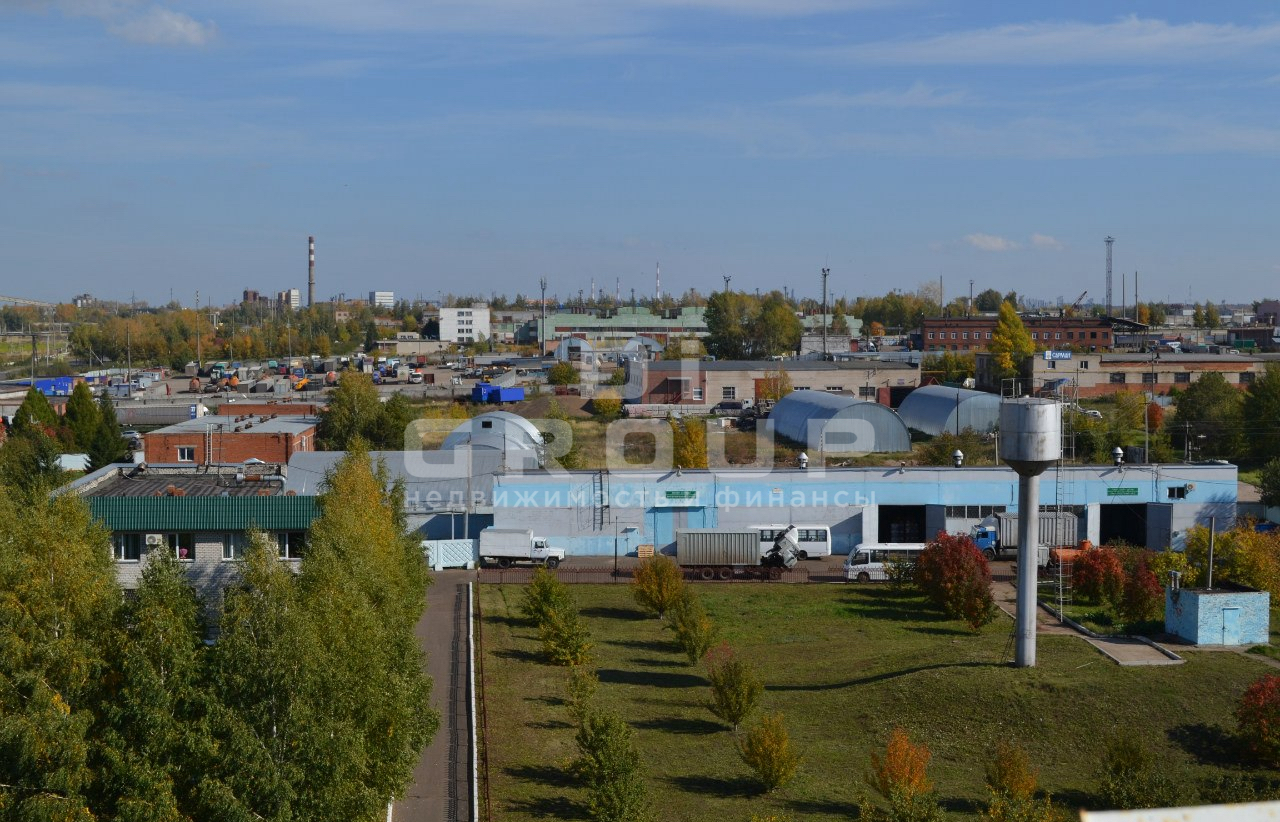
311, 271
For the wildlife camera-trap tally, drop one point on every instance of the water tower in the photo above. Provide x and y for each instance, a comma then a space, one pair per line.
1030, 441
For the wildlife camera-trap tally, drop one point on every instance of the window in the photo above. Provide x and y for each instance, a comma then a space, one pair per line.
1148, 378
486, 423
126, 547
834, 388
988, 335
931, 335
953, 335
964, 335
1178, 492
186, 453
729, 392
973, 511
183, 545
291, 544
1035, 335
233, 546
867, 392
1093, 335
697, 394
1071, 335
1057, 335
1117, 378
1246, 378
1084, 363
1182, 378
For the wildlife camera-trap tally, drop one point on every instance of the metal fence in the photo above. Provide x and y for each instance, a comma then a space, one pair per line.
607, 575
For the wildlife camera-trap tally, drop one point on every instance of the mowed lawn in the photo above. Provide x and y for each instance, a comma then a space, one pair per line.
844, 664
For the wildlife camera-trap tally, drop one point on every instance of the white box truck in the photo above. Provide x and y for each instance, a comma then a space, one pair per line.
504, 546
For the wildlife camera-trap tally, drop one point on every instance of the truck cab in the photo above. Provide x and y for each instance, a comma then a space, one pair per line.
986, 539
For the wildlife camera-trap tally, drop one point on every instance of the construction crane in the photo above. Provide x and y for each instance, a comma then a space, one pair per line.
1075, 306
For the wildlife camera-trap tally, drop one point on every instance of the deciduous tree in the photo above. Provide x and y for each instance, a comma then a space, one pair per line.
1209, 418
901, 778
766, 748
1261, 413
735, 688
956, 577
563, 373
1010, 343
610, 766
657, 584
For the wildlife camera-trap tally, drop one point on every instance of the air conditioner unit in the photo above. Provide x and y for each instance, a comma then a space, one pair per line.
155, 539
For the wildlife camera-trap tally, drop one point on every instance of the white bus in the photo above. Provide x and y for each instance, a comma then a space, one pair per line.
871, 562
815, 540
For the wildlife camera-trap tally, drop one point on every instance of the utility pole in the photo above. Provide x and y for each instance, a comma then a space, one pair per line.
1109, 241
969, 309
542, 326
199, 358
826, 272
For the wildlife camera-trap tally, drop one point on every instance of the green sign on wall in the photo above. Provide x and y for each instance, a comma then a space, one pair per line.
1122, 492
681, 494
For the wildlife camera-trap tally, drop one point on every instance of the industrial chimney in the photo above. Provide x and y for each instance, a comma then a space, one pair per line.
311, 271
1030, 441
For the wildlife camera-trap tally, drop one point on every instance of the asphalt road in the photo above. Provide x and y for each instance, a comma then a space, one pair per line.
441, 789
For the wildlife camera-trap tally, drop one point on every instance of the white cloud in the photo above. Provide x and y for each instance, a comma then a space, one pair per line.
990, 242
163, 27
1127, 40
917, 96
1046, 242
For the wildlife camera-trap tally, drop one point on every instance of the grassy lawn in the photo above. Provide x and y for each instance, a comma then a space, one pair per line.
845, 665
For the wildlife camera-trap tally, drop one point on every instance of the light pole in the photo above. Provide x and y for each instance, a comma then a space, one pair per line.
542, 326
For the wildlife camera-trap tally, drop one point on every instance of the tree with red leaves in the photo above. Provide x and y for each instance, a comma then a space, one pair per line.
1258, 716
953, 573
1098, 575
1143, 596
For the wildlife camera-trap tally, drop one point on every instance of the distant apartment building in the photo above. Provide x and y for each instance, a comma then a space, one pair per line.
382, 299
465, 325
290, 298
965, 334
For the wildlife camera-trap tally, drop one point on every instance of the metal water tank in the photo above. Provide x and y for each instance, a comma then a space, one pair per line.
1030, 434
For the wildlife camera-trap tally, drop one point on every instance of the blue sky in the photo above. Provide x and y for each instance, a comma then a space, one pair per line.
476, 145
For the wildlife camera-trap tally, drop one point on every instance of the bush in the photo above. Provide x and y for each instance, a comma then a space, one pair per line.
545, 594
1128, 781
607, 405
1143, 597
1258, 718
901, 779
658, 584
610, 766
767, 749
694, 630
562, 373
565, 640
581, 690
1012, 782
1162, 563
1097, 575
735, 688
953, 573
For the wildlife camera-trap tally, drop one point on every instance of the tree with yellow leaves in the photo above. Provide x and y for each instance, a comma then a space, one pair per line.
1011, 343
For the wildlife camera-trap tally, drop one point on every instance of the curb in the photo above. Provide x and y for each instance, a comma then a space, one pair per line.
1092, 635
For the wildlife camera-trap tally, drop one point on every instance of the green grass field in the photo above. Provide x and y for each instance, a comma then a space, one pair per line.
845, 665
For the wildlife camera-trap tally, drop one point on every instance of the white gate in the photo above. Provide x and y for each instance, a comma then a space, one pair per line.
450, 553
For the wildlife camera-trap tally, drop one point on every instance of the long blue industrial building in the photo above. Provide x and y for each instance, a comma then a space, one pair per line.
589, 513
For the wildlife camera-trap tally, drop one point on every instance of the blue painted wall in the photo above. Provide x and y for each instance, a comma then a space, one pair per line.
1218, 617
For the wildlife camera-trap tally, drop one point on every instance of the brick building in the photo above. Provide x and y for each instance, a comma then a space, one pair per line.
974, 333
708, 383
226, 439
1093, 375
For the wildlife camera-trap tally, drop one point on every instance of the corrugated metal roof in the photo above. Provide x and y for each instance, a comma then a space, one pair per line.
837, 424
279, 513
933, 409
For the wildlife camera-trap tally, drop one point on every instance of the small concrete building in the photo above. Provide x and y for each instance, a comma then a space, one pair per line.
706, 383
1227, 615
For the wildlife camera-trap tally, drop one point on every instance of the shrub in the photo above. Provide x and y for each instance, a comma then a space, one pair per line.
767, 749
1168, 560
1128, 781
1143, 597
901, 779
565, 640
544, 595
580, 690
562, 373
1012, 782
694, 630
953, 573
735, 688
658, 584
607, 404
1098, 576
610, 766
1258, 718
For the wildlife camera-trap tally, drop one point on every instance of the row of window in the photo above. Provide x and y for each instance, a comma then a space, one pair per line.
1148, 378
1035, 335
973, 511
128, 546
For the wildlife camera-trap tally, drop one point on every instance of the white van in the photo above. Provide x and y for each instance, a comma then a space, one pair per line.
872, 562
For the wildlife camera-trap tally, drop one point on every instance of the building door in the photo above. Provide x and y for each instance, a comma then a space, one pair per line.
1230, 626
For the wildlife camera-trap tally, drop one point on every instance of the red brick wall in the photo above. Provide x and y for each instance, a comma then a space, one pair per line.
228, 448
266, 409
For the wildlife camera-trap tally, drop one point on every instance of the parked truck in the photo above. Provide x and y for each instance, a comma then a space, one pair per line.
505, 546
710, 553
998, 534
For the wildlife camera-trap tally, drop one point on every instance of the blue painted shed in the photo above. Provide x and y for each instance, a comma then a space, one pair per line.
1230, 615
